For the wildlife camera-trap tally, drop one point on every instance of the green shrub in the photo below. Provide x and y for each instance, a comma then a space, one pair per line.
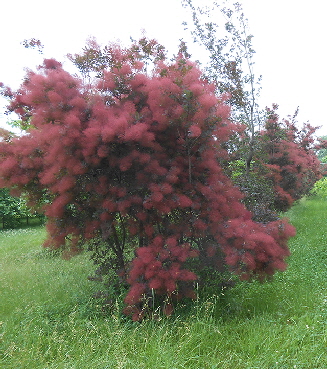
14, 211
320, 187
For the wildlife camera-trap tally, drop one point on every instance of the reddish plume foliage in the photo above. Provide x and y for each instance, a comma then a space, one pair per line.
135, 161
290, 159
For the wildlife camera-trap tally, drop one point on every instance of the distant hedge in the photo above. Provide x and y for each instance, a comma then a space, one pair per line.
14, 211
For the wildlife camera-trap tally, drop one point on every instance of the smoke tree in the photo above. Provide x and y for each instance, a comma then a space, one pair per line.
289, 158
130, 161
284, 168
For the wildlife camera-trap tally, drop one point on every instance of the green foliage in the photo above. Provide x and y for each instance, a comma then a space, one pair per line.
320, 188
13, 210
236, 168
23, 125
322, 152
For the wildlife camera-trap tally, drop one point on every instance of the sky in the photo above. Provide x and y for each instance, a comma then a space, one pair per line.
289, 39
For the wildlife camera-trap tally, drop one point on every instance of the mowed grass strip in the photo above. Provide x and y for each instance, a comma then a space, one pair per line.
50, 320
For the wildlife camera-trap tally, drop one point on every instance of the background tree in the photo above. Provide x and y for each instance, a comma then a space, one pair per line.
270, 184
33, 43
231, 66
10, 209
322, 154
322, 151
130, 164
14, 211
289, 158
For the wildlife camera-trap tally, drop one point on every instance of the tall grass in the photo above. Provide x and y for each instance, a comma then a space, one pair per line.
50, 320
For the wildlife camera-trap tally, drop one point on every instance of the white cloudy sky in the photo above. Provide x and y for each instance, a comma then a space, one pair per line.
289, 38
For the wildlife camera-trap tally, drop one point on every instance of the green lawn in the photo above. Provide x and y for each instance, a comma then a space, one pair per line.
48, 318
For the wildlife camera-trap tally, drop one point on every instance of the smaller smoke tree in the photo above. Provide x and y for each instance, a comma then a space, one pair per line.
289, 158
285, 166
134, 161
